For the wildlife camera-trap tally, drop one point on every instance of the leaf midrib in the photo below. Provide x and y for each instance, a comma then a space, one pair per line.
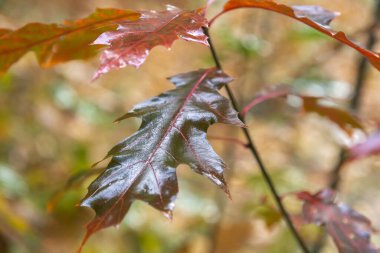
64, 33
146, 33
169, 128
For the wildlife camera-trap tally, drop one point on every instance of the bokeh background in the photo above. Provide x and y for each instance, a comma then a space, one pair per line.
55, 123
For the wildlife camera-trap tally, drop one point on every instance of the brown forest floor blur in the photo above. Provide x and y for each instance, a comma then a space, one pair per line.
55, 122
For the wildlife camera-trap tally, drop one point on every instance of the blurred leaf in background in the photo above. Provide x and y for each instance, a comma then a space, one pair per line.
55, 123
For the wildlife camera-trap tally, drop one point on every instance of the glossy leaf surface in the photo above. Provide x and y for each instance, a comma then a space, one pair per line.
131, 43
173, 132
350, 230
56, 43
313, 16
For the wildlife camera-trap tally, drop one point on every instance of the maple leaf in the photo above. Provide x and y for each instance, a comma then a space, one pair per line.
131, 43
350, 230
53, 43
344, 119
311, 15
172, 132
371, 146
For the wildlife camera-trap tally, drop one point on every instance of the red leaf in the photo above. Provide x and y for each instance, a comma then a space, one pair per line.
4, 31
344, 119
350, 230
132, 42
371, 146
172, 132
53, 43
313, 16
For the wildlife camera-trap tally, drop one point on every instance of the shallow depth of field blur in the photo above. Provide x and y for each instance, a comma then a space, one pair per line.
55, 123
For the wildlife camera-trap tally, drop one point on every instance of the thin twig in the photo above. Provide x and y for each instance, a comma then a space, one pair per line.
362, 69
259, 99
255, 153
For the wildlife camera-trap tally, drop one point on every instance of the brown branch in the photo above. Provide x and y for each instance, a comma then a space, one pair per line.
357, 94
251, 146
363, 65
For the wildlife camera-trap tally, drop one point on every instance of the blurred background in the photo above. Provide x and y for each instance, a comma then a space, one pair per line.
55, 123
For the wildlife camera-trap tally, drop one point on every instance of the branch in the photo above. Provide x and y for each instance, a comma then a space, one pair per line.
255, 153
354, 106
260, 99
359, 85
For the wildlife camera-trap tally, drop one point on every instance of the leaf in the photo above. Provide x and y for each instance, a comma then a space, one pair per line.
344, 119
4, 31
371, 146
131, 43
350, 230
173, 132
53, 43
313, 16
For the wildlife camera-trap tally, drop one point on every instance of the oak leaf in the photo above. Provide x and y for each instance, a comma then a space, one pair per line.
56, 43
341, 117
350, 230
311, 15
172, 132
131, 43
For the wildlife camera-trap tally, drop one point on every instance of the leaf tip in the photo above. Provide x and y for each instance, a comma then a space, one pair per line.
95, 164
168, 214
125, 116
84, 240
227, 191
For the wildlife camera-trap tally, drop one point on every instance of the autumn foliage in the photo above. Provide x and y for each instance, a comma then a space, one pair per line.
174, 124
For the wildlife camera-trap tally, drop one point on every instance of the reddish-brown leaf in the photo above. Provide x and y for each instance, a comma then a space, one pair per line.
350, 230
172, 132
313, 16
4, 31
131, 43
344, 119
53, 43
371, 146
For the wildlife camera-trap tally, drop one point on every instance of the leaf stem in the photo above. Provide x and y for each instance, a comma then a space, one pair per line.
251, 146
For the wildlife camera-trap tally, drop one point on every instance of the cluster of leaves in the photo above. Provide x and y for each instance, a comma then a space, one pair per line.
174, 123
350, 230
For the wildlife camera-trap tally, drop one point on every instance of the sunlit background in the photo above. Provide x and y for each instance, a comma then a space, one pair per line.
55, 123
